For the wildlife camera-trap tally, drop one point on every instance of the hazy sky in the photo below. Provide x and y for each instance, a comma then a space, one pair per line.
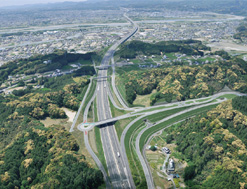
23, 2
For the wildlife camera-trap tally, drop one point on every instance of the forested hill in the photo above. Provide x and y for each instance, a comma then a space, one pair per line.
214, 145
44, 63
46, 158
189, 47
33, 155
186, 82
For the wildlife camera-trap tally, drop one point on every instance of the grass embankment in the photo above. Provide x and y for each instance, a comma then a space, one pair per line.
95, 110
121, 87
228, 96
100, 151
189, 102
121, 124
158, 127
135, 165
202, 100
113, 94
116, 112
158, 108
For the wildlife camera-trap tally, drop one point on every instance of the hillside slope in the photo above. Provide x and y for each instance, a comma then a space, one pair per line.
214, 146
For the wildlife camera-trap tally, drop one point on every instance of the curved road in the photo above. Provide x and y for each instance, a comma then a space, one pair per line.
80, 108
145, 166
97, 161
143, 111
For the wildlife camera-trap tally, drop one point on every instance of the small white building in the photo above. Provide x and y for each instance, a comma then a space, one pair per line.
171, 166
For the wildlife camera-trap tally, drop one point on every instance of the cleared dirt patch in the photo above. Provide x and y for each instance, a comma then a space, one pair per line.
228, 46
70, 113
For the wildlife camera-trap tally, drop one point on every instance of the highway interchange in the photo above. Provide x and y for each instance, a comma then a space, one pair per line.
115, 154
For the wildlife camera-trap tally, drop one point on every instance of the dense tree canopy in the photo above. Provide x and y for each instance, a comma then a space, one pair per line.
32, 160
214, 145
189, 47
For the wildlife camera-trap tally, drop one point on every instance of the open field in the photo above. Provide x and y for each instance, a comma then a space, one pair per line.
143, 99
70, 113
227, 46
49, 122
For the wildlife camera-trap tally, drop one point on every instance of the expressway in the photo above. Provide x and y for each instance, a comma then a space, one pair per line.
117, 164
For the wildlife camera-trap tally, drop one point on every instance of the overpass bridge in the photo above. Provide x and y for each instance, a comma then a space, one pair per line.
103, 67
101, 77
148, 110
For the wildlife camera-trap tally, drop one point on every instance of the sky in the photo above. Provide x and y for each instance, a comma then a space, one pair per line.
4, 3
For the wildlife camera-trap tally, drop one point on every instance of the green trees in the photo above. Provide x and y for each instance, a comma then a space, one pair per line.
31, 161
130, 93
240, 103
35, 64
186, 82
85, 70
242, 31
21, 83
189, 172
22, 92
189, 47
153, 148
214, 146
169, 138
223, 179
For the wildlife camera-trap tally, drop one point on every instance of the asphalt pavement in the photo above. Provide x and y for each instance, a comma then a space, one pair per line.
117, 164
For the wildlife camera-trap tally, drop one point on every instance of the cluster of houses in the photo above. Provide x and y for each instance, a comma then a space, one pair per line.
148, 65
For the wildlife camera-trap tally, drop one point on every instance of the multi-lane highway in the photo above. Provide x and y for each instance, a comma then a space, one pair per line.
117, 164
